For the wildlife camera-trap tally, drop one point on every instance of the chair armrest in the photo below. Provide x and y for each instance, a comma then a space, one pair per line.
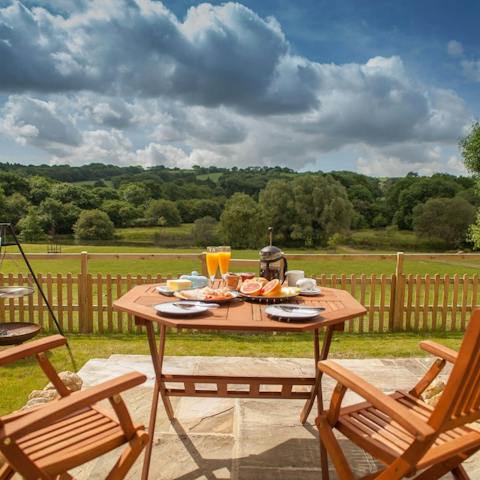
73, 403
377, 398
31, 348
439, 350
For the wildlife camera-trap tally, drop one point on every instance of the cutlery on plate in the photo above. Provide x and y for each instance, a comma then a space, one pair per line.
187, 305
291, 308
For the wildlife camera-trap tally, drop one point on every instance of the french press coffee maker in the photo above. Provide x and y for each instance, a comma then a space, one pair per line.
273, 263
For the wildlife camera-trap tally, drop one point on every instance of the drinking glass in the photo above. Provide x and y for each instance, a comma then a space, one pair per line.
212, 262
224, 255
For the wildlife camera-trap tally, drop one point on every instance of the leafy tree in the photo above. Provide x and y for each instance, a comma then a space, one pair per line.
106, 193
444, 218
135, 194
12, 183
191, 210
241, 223
205, 231
58, 217
40, 188
306, 210
418, 192
470, 148
120, 212
78, 195
163, 212
94, 225
16, 206
30, 227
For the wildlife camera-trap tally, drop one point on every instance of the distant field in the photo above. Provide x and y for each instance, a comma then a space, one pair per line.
210, 176
330, 266
398, 240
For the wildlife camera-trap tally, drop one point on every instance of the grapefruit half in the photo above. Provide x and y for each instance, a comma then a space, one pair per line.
272, 289
251, 288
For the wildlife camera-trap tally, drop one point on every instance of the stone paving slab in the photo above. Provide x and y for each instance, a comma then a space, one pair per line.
241, 439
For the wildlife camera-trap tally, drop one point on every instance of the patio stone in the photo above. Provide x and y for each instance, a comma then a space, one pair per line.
242, 439
205, 415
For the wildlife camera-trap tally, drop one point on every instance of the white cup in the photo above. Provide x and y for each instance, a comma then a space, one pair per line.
307, 284
293, 276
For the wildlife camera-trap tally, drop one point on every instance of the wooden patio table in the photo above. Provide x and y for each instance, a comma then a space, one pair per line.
236, 316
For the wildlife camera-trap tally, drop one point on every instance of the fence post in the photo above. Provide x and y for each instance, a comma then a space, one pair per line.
203, 259
398, 292
83, 295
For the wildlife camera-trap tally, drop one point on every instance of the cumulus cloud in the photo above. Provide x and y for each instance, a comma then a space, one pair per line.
128, 82
38, 123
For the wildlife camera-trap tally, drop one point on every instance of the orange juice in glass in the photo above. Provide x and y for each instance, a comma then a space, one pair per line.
224, 255
212, 262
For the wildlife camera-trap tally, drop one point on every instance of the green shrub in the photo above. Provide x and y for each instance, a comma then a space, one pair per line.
94, 225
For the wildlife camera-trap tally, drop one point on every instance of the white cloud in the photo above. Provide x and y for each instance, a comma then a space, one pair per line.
127, 82
454, 48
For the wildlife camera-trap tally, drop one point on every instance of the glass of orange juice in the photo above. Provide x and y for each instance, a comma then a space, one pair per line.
224, 255
212, 262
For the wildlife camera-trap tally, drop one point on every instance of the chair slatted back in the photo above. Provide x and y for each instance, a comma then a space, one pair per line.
460, 401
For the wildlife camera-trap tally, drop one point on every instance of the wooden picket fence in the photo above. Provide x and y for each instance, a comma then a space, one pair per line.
398, 301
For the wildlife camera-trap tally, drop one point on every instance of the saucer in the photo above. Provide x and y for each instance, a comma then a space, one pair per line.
311, 293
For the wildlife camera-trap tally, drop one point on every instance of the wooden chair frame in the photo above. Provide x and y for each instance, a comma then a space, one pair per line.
23, 424
435, 441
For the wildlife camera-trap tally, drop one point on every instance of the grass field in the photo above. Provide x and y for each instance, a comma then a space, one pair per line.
19, 379
329, 266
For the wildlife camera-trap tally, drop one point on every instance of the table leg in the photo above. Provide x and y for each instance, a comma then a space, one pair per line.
317, 392
159, 389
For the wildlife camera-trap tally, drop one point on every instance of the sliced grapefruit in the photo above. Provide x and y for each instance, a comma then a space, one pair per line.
272, 289
251, 287
261, 280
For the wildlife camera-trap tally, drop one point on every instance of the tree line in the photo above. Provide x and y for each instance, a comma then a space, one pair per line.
232, 205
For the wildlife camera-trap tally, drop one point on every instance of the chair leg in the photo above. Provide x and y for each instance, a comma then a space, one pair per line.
328, 439
128, 457
452, 465
6, 472
459, 473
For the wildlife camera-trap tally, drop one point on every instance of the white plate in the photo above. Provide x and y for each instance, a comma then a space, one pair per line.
176, 310
292, 312
311, 293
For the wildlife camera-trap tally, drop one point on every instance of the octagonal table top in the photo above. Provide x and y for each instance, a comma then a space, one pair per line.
241, 315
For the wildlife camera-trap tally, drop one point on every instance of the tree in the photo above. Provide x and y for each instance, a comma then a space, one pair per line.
205, 231
135, 194
78, 195
94, 225
163, 212
121, 213
470, 149
16, 206
40, 188
30, 227
306, 210
58, 217
190, 210
447, 219
241, 223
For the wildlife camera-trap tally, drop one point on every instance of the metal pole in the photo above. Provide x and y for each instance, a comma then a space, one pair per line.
49, 307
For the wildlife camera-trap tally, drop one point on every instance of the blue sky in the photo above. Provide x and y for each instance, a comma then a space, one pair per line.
378, 87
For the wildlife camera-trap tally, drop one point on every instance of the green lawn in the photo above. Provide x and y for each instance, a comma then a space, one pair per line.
19, 379
330, 266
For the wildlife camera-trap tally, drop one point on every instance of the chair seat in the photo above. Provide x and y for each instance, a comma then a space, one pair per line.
385, 439
73, 440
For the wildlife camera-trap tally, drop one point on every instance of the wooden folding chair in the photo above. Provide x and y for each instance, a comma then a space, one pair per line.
48, 441
399, 430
